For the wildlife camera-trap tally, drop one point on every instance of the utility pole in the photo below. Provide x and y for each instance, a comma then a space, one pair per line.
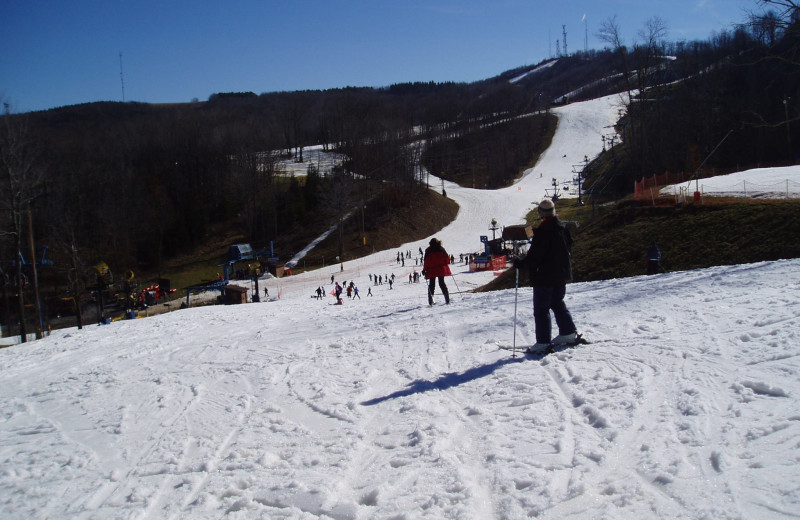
121, 77
585, 35
581, 176
38, 307
788, 132
75, 287
341, 246
363, 235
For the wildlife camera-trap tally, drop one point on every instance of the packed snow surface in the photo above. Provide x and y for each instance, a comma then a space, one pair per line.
683, 406
755, 183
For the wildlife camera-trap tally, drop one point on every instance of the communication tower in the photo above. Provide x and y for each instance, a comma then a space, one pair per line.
121, 77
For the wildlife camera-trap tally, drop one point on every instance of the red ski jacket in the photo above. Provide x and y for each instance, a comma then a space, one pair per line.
437, 262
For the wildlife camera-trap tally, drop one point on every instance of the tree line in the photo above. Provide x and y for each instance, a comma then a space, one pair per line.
711, 107
132, 185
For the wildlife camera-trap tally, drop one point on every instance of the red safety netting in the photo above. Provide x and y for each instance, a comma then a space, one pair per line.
645, 188
491, 264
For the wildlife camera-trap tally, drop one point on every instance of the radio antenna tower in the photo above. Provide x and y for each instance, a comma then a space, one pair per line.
121, 77
586, 35
564, 30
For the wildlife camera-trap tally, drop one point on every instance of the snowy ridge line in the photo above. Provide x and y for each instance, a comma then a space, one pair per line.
540, 68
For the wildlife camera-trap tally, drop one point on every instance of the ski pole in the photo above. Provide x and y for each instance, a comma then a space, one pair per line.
516, 291
456, 284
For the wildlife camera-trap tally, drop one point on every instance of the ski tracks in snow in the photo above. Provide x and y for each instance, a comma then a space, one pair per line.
412, 411
192, 439
432, 432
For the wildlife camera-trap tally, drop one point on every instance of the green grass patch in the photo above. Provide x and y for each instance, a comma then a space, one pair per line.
611, 241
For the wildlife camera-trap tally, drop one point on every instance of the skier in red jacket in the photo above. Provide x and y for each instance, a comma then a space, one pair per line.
436, 265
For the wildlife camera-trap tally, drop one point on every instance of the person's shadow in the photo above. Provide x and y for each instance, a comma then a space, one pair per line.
446, 381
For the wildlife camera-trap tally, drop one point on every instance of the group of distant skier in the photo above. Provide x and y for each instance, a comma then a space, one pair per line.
339, 288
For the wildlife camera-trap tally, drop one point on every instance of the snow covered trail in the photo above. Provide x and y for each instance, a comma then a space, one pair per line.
578, 135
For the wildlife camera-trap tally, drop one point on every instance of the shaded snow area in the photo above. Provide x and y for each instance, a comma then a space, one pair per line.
683, 406
314, 156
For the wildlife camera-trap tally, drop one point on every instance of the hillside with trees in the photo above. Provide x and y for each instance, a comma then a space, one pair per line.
135, 185
722, 106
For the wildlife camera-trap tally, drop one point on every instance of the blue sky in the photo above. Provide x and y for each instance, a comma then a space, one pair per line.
61, 52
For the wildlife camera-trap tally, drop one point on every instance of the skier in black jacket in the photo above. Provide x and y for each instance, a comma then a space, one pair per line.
549, 264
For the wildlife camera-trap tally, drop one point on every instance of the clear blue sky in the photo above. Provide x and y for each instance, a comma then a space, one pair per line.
64, 52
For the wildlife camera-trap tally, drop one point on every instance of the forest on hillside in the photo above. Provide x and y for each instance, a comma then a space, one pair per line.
724, 105
133, 184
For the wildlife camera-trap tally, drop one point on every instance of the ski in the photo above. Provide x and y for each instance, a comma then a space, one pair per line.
520, 348
579, 340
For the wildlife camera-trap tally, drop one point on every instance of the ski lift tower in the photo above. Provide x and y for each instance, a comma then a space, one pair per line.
578, 176
553, 192
493, 228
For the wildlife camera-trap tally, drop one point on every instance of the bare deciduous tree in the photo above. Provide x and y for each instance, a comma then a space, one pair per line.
788, 10
777, 18
20, 182
642, 69
611, 34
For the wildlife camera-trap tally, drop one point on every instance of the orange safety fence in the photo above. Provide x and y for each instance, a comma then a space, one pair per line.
643, 188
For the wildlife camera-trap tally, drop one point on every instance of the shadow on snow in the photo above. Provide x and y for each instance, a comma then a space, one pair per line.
446, 381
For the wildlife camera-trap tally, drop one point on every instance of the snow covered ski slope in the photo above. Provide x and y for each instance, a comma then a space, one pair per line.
684, 405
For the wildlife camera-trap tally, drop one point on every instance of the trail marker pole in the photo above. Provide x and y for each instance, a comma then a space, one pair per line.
516, 291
